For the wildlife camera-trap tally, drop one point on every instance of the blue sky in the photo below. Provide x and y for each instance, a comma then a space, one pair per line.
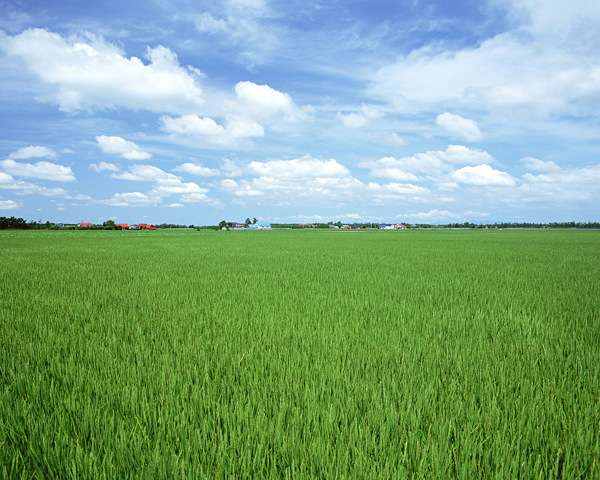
192, 112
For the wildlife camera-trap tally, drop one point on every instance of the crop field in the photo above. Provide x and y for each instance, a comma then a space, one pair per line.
300, 354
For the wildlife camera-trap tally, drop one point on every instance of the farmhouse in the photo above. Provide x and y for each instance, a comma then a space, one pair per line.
124, 226
392, 226
145, 226
85, 224
259, 226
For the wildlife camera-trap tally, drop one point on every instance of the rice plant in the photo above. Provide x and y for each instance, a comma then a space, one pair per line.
292, 354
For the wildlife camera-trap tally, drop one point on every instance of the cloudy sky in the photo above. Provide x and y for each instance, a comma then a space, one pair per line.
190, 111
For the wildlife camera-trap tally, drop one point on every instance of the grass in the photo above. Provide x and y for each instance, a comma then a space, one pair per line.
418, 354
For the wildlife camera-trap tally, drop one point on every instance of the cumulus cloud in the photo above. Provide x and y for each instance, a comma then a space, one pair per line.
165, 184
9, 205
543, 66
244, 116
33, 152
430, 215
120, 146
430, 163
89, 73
194, 169
104, 166
397, 188
483, 175
42, 170
299, 169
305, 177
262, 105
145, 173
25, 188
359, 120
193, 125
459, 127
539, 165
231, 169
556, 187
243, 189
265, 101
131, 199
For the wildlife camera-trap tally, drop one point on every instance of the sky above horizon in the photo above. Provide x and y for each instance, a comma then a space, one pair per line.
192, 112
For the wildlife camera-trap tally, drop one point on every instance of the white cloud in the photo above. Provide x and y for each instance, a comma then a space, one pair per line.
557, 187
26, 188
180, 188
263, 103
206, 23
359, 120
80, 196
397, 188
120, 146
240, 23
459, 127
165, 184
88, 73
431, 163
483, 175
145, 173
33, 152
9, 205
244, 116
305, 177
131, 199
42, 170
573, 177
431, 214
104, 166
299, 169
194, 169
241, 190
352, 120
539, 165
193, 125
544, 67
231, 169
194, 197
394, 139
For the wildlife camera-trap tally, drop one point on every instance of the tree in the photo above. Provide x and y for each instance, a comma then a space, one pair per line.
247, 222
254, 221
110, 225
222, 224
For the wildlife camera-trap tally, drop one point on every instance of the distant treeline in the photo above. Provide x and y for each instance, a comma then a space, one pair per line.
449, 225
19, 223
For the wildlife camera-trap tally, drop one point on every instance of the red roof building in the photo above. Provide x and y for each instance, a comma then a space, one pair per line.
145, 226
85, 224
124, 226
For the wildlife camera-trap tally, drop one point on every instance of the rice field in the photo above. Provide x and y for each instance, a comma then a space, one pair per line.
300, 354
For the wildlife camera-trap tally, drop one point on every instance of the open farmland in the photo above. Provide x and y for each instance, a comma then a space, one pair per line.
315, 354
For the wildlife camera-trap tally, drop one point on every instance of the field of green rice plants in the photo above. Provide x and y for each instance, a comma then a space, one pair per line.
300, 354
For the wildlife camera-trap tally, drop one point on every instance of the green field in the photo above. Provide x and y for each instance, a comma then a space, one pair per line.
300, 354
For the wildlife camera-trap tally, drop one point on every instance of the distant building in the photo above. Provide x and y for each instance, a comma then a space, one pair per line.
392, 226
124, 226
145, 226
85, 224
